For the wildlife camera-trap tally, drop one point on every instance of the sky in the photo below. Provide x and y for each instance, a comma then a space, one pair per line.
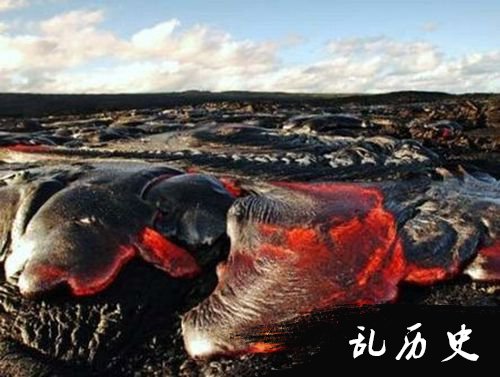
315, 46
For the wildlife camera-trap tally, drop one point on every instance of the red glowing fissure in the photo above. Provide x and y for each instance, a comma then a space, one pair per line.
25, 148
232, 186
166, 255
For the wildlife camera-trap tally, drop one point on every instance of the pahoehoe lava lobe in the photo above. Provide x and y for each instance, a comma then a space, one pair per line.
297, 248
82, 224
76, 226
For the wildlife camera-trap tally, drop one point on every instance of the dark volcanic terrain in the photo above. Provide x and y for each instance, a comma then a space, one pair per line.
133, 327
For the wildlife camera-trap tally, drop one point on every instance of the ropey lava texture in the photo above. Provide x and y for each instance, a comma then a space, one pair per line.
297, 248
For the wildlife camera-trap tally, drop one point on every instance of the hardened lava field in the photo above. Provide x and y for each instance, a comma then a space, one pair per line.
139, 231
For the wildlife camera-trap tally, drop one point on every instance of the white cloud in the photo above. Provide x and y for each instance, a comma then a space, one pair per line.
74, 52
382, 64
154, 38
12, 4
159, 58
404, 56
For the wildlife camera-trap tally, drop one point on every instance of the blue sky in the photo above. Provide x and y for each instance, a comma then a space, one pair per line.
446, 45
